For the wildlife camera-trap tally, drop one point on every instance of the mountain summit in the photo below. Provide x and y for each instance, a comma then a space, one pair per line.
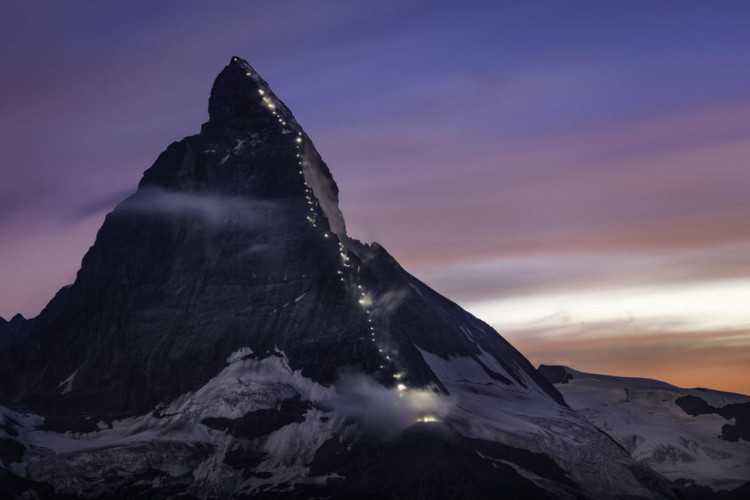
225, 337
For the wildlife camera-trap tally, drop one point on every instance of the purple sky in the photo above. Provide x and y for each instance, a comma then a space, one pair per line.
577, 174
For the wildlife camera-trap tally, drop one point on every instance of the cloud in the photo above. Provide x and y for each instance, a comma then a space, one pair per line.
571, 272
389, 301
697, 306
211, 210
100, 204
384, 412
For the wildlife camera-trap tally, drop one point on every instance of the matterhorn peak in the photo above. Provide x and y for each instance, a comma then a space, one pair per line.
225, 338
240, 98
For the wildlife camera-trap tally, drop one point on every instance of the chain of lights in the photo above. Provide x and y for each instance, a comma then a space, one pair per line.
346, 269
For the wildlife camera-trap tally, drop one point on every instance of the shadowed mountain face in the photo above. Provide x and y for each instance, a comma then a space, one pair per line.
225, 336
228, 243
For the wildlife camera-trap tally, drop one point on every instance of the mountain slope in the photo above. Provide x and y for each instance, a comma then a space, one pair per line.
226, 337
686, 434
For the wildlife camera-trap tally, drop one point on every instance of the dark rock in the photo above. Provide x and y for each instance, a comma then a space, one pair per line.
740, 412
432, 461
694, 406
243, 459
261, 422
9, 426
555, 374
10, 451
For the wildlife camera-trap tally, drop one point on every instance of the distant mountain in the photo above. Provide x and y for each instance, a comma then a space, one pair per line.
698, 436
225, 337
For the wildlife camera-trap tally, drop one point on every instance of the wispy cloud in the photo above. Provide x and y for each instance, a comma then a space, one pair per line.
695, 306
211, 210
384, 412
546, 272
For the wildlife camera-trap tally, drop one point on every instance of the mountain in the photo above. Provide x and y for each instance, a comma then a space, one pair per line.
226, 337
694, 436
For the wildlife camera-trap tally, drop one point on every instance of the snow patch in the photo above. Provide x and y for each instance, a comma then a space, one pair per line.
526, 417
239, 354
290, 449
173, 439
324, 190
648, 423
67, 384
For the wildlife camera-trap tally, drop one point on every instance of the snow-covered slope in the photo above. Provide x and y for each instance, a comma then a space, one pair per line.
658, 423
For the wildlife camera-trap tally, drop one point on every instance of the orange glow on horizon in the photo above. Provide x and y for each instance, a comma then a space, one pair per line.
701, 361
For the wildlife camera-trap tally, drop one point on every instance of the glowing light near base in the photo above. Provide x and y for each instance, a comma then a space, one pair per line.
428, 418
365, 300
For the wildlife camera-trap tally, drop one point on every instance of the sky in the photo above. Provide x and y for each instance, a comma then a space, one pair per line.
574, 173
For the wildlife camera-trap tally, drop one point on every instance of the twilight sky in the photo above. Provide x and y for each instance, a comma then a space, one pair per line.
574, 173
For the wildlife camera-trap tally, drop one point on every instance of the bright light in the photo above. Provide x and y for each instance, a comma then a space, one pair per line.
401, 387
366, 301
260, 91
428, 418
299, 139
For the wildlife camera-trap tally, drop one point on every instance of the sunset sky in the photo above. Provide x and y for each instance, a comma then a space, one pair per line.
577, 174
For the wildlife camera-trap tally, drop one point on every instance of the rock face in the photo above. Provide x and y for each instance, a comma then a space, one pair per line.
690, 435
226, 337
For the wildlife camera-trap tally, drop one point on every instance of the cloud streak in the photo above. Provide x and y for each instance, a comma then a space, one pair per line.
211, 210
